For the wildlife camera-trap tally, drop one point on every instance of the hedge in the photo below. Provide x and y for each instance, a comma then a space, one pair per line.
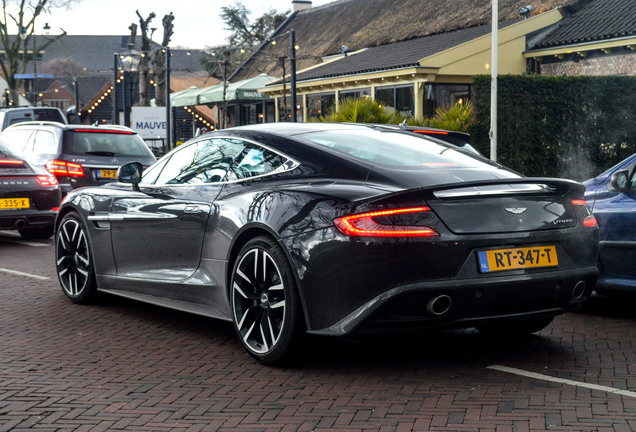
570, 127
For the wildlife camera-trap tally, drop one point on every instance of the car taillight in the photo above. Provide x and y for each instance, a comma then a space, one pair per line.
11, 162
103, 131
365, 225
588, 220
64, 168
47, 180
430, 132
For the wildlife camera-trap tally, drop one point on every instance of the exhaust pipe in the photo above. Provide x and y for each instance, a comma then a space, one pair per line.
20, 223
439, 305
579, 290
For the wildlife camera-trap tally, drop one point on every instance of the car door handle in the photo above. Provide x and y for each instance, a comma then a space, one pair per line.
192, 209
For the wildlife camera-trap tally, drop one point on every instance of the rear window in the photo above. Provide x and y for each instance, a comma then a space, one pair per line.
104, 143
43, 114
392, 149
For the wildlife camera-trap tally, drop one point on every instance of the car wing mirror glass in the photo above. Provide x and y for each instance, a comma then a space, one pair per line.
619, 180
130, 173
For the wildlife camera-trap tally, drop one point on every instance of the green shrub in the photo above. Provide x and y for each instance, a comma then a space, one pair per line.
459, 117
362, 111
572, 127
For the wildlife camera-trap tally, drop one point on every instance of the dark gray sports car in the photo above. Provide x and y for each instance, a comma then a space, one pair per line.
287, 229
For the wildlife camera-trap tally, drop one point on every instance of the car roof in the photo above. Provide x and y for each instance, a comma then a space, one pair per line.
297, 128
72, 127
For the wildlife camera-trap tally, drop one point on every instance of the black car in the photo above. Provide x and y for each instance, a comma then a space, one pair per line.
331, 229
29, 197
78, 155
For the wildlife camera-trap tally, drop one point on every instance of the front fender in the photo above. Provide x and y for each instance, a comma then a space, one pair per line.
87, 205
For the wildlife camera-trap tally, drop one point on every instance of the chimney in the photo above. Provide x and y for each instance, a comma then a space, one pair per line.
298, 5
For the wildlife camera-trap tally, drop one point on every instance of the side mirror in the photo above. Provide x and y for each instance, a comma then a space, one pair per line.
619, 180
130, 173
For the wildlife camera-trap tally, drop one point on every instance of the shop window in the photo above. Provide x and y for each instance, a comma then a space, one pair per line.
284, 109
356, 94
401, 98
444, 96
320, 105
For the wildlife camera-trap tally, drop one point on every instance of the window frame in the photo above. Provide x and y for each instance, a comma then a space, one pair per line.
289, 163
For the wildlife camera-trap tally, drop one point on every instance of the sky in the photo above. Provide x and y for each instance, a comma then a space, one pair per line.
197, 23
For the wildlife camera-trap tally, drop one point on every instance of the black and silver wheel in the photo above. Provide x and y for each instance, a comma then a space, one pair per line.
74, 260
266, 309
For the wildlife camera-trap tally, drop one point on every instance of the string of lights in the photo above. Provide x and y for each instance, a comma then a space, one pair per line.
198, 117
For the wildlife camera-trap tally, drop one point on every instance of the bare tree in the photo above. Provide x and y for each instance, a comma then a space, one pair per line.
17, 31
159, 60
144, 63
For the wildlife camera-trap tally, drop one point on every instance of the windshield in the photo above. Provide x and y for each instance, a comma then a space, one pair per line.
105, 143
393, 149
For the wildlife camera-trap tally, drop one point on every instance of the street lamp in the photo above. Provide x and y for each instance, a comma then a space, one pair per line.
127, 61
168, 110
292, 71
23, 36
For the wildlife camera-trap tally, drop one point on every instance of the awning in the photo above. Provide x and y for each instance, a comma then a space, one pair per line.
189, 96
246, 90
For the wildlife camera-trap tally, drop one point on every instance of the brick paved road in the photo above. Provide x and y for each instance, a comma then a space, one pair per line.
121, 365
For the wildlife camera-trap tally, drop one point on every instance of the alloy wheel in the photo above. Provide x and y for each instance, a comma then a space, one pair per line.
258, 300
73, 257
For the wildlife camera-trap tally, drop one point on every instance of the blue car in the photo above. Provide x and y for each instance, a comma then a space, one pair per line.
612, 198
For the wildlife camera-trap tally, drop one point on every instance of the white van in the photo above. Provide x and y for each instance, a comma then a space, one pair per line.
9, 116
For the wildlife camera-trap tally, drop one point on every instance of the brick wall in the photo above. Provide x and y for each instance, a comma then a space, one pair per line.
594, 66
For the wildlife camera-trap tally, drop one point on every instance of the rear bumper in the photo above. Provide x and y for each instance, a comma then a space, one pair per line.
27, 219
617, 283
470, 302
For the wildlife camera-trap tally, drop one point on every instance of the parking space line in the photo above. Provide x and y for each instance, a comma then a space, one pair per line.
19, 273
563, 381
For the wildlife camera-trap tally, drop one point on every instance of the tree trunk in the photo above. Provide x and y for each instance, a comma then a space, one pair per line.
159, 61
144, 63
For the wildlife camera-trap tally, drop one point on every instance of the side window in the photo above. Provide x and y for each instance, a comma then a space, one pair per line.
203, 162
44, 143
256, 161
152, 173
18, 140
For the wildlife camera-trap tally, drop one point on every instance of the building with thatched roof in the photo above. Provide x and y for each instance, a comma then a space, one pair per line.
416, 56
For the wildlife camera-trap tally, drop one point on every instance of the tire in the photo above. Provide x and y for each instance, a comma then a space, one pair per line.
511, 328
74, 260
37, 233
266, 309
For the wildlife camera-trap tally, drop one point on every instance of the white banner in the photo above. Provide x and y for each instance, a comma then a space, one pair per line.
149, 122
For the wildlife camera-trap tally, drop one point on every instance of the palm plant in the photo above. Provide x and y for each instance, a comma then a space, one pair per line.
352, 110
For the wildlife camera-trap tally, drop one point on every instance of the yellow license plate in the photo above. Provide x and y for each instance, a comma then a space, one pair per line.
517, 258
14, 203
104, 173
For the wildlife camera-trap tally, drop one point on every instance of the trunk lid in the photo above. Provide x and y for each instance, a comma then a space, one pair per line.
512, 205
